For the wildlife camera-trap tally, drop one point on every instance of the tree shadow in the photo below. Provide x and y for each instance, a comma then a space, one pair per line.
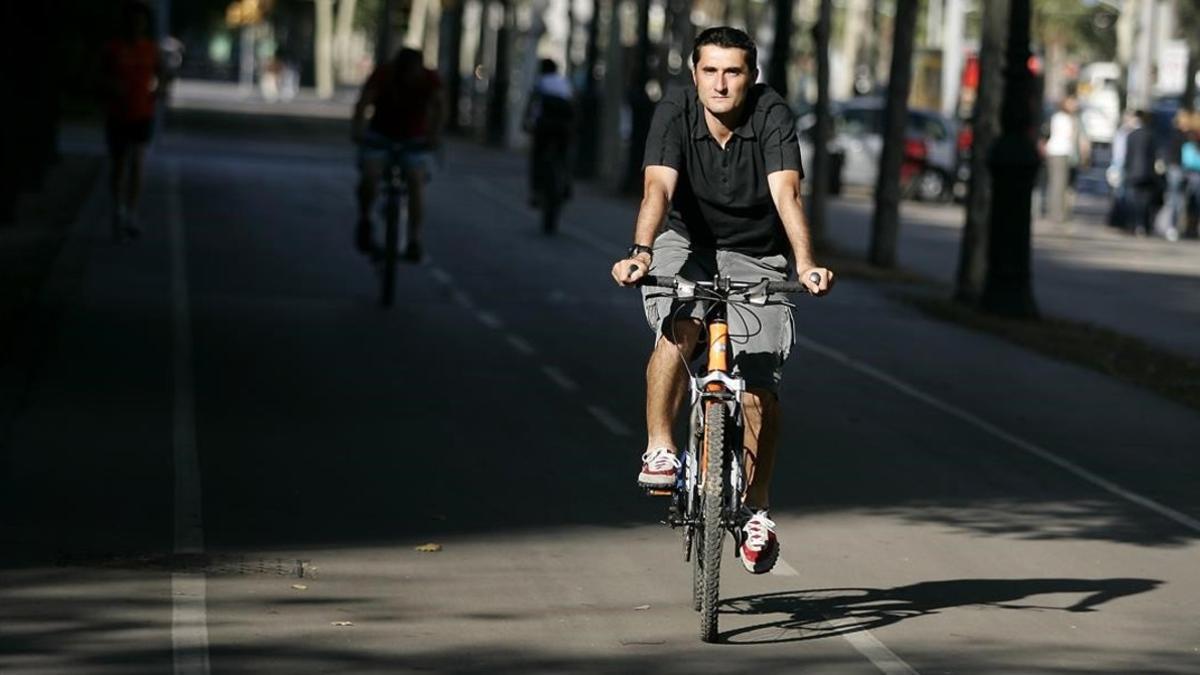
832, 612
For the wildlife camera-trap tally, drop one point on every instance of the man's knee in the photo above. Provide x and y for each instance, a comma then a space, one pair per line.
682, 334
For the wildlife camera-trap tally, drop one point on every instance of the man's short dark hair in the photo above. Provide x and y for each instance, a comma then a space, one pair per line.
548, 66
729, 38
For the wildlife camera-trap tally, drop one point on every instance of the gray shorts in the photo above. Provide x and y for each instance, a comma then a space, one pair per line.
762, 336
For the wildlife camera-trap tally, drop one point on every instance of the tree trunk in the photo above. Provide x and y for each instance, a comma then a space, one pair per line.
985, 128
641, 108
1189, 88
323, 48
885, 223
343, 28
781, 51
589, 104
497, 116
1008, 288
449, 61
611, 146
822, 131
383, 41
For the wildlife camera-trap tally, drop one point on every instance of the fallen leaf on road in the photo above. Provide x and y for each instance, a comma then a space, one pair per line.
300, 587
640, 608
429, 548
343, 623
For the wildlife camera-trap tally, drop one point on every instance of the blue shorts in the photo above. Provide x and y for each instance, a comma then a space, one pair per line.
374, 150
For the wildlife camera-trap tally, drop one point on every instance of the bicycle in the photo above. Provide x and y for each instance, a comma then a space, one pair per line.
552, 187
395, 189
707, 497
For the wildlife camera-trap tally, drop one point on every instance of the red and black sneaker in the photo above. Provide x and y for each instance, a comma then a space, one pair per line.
760, 546
659, 467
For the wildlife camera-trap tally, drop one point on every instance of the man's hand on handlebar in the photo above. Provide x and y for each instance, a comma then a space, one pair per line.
818, 280
627, 272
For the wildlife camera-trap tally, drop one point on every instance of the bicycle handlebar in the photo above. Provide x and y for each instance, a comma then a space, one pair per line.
729, 285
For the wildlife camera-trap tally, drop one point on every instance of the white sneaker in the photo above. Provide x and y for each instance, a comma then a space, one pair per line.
659, 467
760, 546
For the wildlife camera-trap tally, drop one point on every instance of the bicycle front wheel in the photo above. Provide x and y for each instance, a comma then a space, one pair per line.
716, 435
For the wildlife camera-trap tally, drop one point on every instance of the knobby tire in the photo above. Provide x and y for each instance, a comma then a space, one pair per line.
716, 435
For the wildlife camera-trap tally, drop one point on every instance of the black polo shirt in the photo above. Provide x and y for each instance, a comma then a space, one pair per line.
722, 199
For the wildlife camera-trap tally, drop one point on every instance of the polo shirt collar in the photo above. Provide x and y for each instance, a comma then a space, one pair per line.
744, 130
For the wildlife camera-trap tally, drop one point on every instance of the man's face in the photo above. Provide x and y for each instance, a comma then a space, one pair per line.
722, 78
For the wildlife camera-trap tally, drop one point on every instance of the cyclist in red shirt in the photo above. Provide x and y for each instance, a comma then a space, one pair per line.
132, 85
405, 102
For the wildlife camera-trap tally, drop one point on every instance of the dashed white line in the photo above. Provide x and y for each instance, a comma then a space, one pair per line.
989, 428
189, 605
560, 378
462, 299
866, 644
441, 276
609, 421
518, 343
488, 319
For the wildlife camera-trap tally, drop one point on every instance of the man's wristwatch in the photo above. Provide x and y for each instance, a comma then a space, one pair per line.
638, 248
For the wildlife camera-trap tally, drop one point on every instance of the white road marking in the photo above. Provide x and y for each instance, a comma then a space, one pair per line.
979, 423
488, 319
189, 607
518, 343
862, 640
579, 234
440, 275
610, 421
560, 378
462, 299
866, 644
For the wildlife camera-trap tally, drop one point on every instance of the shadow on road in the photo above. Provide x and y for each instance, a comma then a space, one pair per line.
832, 612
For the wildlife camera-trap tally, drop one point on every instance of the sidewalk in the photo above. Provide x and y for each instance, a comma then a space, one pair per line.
228, 97
1083, 271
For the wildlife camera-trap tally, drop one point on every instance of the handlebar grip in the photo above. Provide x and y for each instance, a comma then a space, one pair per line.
654, 280
815, 277
786, 287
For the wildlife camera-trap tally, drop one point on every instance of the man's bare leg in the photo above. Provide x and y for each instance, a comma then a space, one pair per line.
761, 410
666, 382
416, 211
135, 157
368, 180
119, 160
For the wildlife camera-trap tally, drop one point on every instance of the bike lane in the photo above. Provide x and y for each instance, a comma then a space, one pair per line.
85, 585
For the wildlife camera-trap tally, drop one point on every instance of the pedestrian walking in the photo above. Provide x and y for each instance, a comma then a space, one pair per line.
1066, 150
1189, 159
133, 83
1141, 178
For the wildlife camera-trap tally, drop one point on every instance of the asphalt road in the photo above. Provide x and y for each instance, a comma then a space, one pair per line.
227, 448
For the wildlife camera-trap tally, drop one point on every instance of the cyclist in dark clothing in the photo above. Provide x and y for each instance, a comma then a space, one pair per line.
404, 101
550, 118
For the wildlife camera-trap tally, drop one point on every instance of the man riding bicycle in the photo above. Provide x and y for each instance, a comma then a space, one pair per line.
406, 107
550, 118
722, 165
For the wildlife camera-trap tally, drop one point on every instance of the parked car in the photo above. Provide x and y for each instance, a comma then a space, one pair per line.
858, 141
806, 121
